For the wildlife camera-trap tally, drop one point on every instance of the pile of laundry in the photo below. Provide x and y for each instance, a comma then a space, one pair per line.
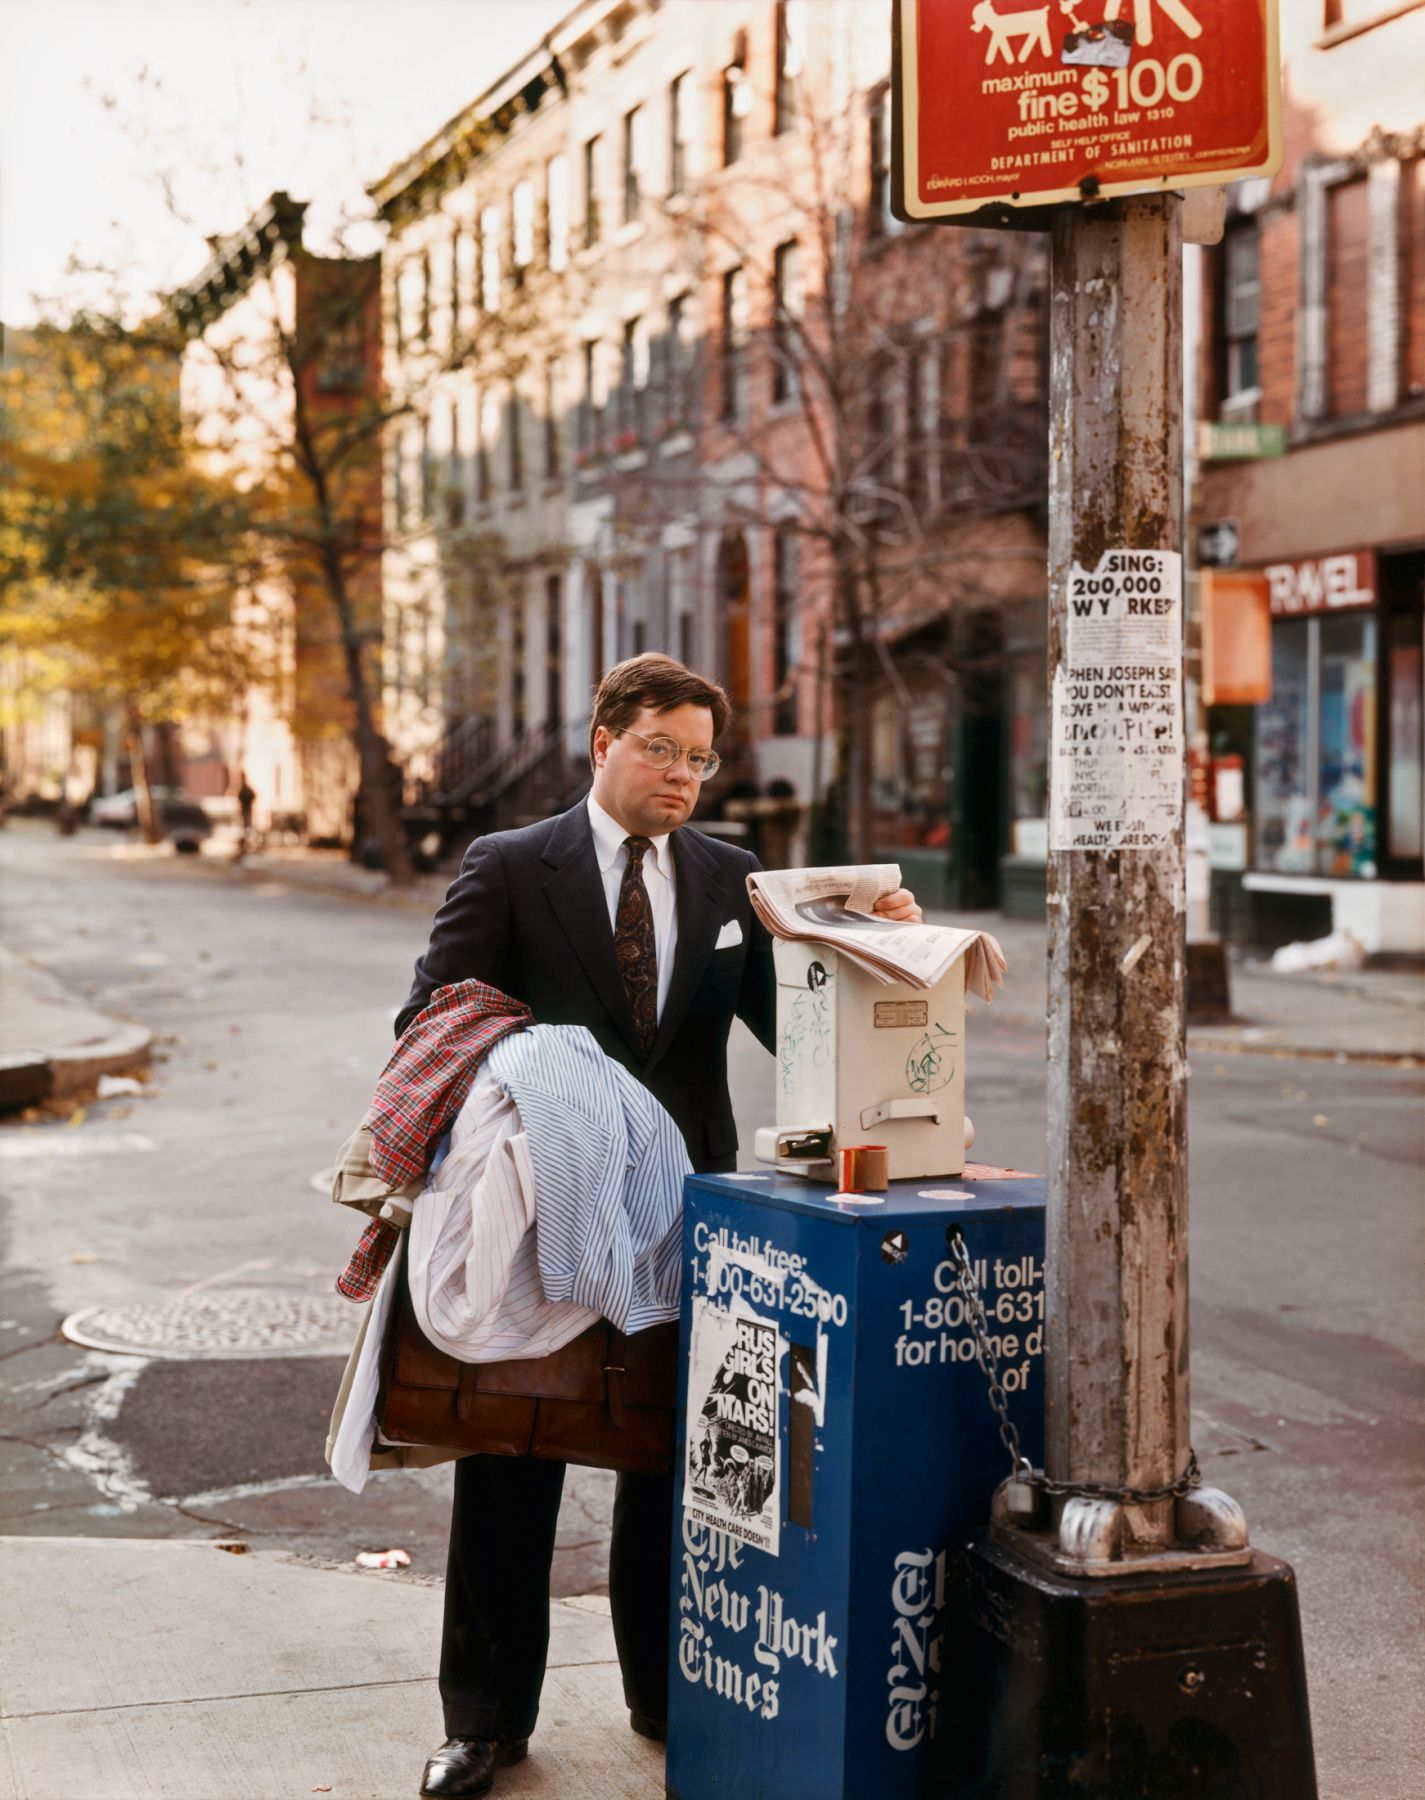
522, 1184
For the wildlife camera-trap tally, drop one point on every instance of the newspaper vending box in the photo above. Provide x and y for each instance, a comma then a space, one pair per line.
835, 1443
861, 1061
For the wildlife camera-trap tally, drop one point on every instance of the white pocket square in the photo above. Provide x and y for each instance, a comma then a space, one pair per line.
730, 934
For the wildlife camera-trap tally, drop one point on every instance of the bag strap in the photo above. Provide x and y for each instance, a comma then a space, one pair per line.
469, 1388
615, 1377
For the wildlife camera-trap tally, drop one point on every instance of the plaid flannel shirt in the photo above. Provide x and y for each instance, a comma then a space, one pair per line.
421, 1089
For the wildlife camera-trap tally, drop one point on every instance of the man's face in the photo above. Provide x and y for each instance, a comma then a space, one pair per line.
648, 801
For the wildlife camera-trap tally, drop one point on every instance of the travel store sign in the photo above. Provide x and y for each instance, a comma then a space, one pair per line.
1004, 104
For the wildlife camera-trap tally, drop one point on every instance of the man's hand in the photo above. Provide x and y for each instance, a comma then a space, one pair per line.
899, 906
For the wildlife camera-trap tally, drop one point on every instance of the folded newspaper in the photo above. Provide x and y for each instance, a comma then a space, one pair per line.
836, 907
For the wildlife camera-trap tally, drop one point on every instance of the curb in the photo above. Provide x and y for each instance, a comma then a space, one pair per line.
363, 884
29, 1076
1213, 1038
77, 1068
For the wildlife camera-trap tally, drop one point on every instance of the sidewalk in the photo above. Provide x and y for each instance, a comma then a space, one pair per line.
139, 1670
51, 1042
1358, 1014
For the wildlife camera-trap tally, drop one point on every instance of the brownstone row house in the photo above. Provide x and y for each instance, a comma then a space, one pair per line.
686, 384
281, 383
1311, 481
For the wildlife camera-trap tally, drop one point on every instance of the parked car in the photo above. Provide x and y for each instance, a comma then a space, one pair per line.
121, 810
184, 823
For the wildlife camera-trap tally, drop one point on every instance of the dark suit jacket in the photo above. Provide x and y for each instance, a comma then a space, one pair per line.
527, 914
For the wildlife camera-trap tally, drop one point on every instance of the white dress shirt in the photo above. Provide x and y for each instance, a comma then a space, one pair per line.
564, 1176
658, 879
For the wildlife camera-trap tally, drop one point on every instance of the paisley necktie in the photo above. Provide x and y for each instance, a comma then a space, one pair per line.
636, 947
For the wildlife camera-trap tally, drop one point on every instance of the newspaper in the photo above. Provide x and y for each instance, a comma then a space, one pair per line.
836, 907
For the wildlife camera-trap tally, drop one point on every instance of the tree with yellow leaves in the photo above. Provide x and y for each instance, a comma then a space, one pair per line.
122, 556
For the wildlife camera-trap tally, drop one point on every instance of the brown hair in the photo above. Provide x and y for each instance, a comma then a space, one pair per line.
658, 682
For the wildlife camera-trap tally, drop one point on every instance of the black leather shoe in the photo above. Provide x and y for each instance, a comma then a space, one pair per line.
648, 1728
465, 1767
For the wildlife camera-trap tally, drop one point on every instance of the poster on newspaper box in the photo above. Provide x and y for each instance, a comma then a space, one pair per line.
733, 1477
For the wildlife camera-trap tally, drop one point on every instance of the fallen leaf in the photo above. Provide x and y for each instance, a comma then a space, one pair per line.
78, 1116
84, 1256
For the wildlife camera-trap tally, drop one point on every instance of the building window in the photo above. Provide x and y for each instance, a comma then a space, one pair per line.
591, 192
791, 39
877, 460
457, 286
490, 259
518, 711
589, 422
632, 135
488, 432
454, 465
1240, 310
424, 329
633, 382
400, 487
553, 438
522, 229
736, 101
677, 365
514, 414
921, 409
734, 342
341, 359
786, 317
677, 134
427, 472
553, 650
556, 212
786, 631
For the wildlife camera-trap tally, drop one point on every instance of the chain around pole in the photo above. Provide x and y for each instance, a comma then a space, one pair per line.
1021, 1470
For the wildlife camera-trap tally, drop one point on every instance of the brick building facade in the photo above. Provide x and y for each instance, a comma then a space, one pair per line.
680, 381
281, 378
1312, 360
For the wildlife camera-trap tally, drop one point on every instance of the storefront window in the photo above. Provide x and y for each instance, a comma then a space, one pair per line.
1316, 781
1406, 739
1346, 809
1283, 799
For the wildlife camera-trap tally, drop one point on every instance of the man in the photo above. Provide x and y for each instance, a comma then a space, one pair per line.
612, 917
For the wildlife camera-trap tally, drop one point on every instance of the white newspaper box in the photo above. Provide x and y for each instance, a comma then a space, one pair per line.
863, 1062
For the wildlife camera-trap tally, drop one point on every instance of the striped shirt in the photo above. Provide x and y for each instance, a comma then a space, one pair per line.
560, 1203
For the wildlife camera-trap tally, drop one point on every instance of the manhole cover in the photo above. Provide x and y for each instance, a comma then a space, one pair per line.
229, 1322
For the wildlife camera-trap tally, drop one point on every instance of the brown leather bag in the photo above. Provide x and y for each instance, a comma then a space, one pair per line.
604, 1401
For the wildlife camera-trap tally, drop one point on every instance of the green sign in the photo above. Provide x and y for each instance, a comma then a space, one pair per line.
1238, 440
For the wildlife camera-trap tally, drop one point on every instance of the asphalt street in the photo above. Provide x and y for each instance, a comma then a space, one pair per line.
273, 1008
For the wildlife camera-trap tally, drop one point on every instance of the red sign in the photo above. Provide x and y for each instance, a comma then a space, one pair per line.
1316, 584
1003, 103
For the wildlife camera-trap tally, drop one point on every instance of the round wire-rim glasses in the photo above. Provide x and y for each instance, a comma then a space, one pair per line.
663, 752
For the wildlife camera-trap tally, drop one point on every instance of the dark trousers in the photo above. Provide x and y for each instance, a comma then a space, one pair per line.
496, 1634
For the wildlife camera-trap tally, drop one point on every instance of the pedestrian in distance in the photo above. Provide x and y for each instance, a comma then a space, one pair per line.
616, 916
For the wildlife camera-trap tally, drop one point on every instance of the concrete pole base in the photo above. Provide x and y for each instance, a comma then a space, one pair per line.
1151, 1687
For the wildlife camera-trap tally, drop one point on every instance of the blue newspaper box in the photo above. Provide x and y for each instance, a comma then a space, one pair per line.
835, 1442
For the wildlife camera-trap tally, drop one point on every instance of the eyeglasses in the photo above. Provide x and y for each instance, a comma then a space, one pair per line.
663, 752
